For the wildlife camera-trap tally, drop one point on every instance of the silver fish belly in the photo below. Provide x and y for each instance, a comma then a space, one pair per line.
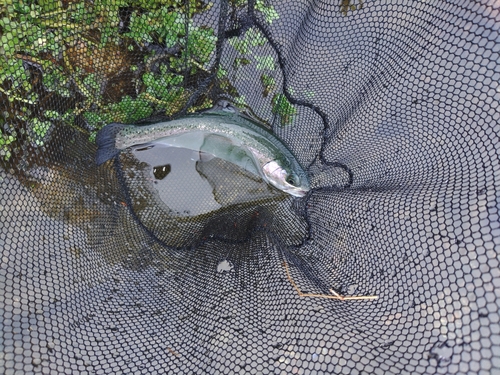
230, 137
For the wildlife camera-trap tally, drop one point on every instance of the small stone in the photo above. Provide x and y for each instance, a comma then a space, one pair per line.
51, 345
36, 361
225, 266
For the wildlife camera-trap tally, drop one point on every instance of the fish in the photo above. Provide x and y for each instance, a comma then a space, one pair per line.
225, 134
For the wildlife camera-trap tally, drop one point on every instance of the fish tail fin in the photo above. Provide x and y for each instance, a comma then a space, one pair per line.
105, 139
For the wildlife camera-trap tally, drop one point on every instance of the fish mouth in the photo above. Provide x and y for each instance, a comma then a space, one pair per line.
299, 193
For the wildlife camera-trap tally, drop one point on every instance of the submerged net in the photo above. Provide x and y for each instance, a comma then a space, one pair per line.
393, 109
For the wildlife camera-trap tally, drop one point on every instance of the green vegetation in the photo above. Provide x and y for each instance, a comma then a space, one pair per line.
5, 141
245, 44
265, 63
248, 48
350, 5
84, 64
268, 84
40, 130
73, 51
267, 11
283, 108
250, 51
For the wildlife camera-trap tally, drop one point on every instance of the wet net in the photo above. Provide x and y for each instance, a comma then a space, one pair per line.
392, 107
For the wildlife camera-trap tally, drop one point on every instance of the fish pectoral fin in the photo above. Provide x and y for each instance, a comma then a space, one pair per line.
205, 156
250, 166
201, 156
224, 148
217, 145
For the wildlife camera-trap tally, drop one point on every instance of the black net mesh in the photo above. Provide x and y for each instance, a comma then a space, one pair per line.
392, 106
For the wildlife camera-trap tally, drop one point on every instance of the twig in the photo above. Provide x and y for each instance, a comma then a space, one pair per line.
30, 59
13, 97
173, 352
334, 294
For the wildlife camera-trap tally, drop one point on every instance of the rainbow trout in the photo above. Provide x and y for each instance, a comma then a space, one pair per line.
223, 134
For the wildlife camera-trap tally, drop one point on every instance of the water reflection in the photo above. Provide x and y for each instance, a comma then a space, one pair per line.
182, 198
173, 173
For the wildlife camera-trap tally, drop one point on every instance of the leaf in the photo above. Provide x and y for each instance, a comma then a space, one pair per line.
283, 108
265, 62
268, 11
201, 44
6, 139
221, 72
267, 80
268, 84
40, 130
55, 81
255, 37
240, 61
52, 115
91, 81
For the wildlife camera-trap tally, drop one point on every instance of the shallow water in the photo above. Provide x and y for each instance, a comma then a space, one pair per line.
181, 198
172, 170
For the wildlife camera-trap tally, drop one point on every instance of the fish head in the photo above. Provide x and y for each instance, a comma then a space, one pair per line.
290, 180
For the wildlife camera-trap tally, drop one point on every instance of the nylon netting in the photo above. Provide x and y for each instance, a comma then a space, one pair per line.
392, 106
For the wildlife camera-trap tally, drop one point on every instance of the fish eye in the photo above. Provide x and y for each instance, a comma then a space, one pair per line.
292, 180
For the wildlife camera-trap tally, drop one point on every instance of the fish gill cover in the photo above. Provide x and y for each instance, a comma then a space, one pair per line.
393, 109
